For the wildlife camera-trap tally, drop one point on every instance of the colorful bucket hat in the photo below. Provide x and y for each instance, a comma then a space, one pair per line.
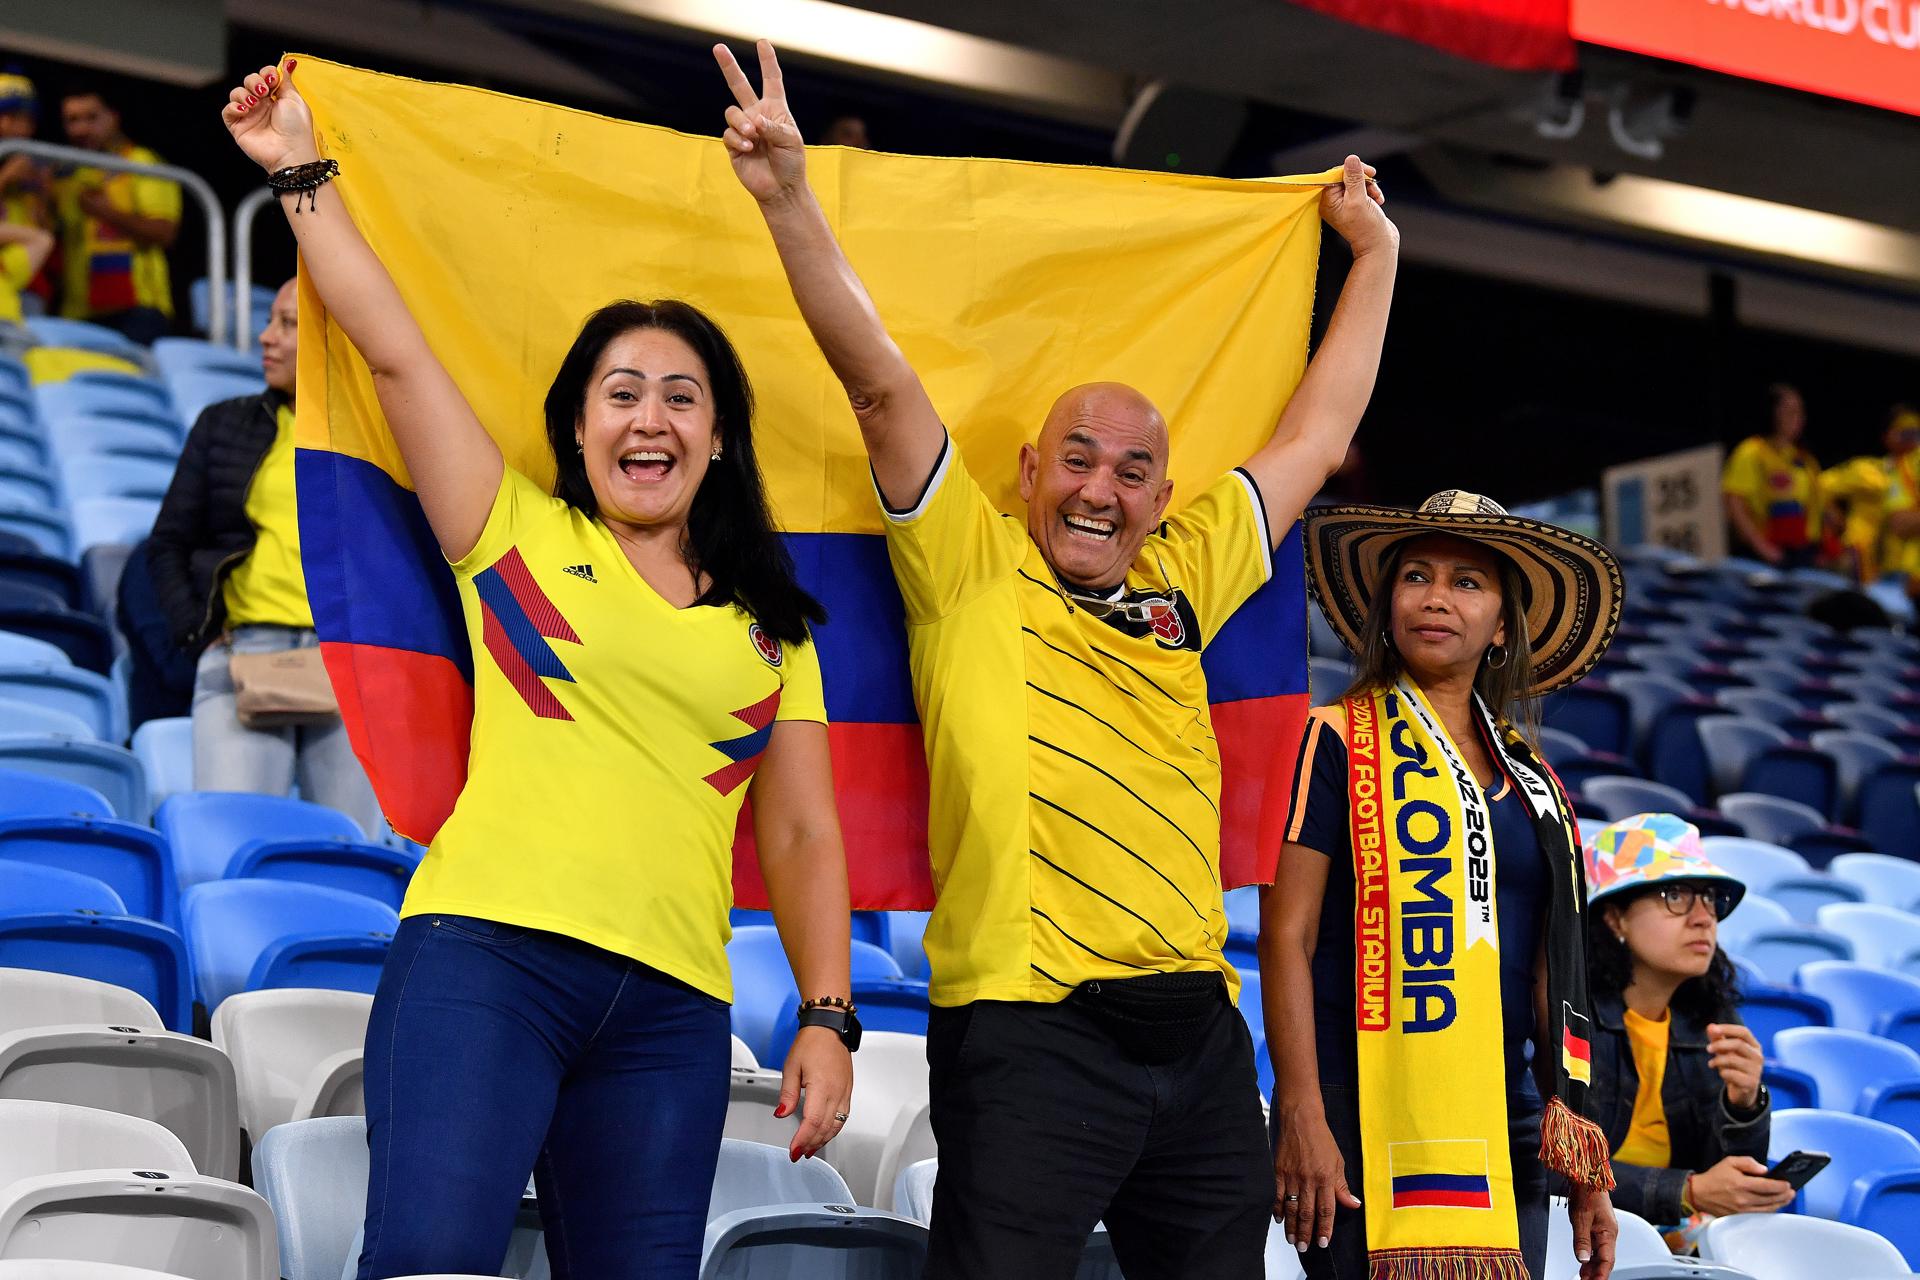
1646, 849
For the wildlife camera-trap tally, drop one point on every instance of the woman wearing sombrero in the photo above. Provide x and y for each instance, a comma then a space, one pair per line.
1425, 926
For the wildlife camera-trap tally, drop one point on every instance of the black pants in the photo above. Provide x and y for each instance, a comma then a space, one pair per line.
1046, 1127
1346, 1257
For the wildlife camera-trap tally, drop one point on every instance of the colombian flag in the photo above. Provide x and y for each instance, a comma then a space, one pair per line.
1440, 1174
504, 222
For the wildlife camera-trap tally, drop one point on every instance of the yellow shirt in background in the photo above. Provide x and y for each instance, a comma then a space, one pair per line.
269, 586
1074, 819
614, 738
1648, 1143
105, 271
1902, 555
1781, 490
16, 274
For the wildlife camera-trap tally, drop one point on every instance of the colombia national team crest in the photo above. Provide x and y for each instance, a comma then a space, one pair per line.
1167, 617
766, 645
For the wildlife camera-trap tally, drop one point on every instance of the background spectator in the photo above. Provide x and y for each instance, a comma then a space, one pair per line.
24, 183
225, 560
116, 229
1864, 489
1772, 487
1676, 1077
846, 131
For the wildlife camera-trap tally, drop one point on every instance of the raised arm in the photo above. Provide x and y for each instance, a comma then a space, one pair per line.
1317, 425
902, 431
454, 463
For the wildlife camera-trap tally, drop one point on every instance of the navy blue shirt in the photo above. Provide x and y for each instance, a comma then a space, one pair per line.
1320, 821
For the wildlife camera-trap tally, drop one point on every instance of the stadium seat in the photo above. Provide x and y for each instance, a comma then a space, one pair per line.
25, 717
373, 870
1790, 1088
886, 1004
134, 437
743, 1056
121, 522
88, 694
905, 931
81, 636
252, 935
1890, 808
1787, 1246
1622, 798
752, 1094
314, 1174
1639, 1252
28, 568
177, 1081
1781, 874
1866, 717
1769, 673
812, 1228
864, 926
913, 1190
202, 1226
164, 748
78, 395
28, 888
296, 1054
208, 828
763, 990
27, 651
1767, 705
1599, 716
133, 860
68, 1269
57, 1137
1756, 913
1770, 818
83, 335
174, 356
30, 487
910, 1141
1322, 640
106, 475
46, 530
1328, 678
141, 955
1855, 755
1881, 936
1861, 1149
1558, 744
109, 770
24, 794
1883, 880
1846, 1063
33, 998
195, 389
1778, 953
889, 1089
1768, 1009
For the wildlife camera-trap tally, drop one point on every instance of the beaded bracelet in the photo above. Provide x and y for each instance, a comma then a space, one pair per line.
827, 1002
304, 179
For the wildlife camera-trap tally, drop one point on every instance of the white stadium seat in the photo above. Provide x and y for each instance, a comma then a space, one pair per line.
297, 1053
1784, 1246
32, 998
203, 1227
57, 1137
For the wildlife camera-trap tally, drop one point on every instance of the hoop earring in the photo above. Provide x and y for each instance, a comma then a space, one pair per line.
1491, 664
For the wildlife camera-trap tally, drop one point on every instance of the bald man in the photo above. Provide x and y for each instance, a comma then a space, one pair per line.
1086, 1059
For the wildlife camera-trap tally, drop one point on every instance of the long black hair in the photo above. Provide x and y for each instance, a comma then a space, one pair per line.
730, 533
1711, 997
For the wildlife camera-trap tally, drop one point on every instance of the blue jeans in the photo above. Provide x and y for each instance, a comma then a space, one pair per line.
228, 756
494, 1050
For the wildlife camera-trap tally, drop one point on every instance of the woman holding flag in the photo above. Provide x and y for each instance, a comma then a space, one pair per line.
556, 997
1425, 923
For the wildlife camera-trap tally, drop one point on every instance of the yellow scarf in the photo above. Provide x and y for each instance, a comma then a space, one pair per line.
1438, 1175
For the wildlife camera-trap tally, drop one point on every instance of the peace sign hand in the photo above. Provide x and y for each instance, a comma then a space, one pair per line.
763, 141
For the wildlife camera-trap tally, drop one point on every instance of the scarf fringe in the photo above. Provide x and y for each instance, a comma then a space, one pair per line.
1574, 1146
1446, 1264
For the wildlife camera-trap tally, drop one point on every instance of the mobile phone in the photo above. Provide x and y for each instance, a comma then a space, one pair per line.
1797, 1168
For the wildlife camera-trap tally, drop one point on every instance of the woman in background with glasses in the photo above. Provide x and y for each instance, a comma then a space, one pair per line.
1676, 1077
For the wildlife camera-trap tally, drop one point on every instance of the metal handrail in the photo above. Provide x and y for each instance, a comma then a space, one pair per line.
203, 192
243, 215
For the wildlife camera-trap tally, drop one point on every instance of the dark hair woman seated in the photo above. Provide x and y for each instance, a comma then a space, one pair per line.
1676, 1077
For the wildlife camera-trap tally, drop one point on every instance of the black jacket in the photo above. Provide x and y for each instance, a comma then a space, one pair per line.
1701, 1125
202, 532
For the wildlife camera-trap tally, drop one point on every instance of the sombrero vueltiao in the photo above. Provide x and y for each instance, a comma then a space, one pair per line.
1571, 585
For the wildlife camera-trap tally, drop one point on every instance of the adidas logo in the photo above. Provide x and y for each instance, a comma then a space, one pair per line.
582, 571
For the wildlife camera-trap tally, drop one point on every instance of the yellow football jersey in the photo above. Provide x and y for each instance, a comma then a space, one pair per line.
614, 736
1075, 808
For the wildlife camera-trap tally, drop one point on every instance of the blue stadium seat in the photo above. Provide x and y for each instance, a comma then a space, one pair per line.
22, 450
1622, 798
1322, 640
1648, 694
1769, 673
1782, 874
29, 888
1873, 1181
769, 1216
1779, 953
763, 983
1558, 744
1768, 1009
355, 866
138, 437
1796, 772
906, 931
132, 859
164, 748
1881, 936
1756, 912
29, 488
1732, 741
1790, 1088
1821, 847
32, 795
1846, 1063
1855, 755
885, 1004
46, 530
1243, 910
195, 389
82, 693
81, 636
1766, 705
1771, 818
314, 1174
207, 828
1599, 716
144, 956
247, 935
122, 522
1884, 880
1328, 678
200, 306
28, 717
81, 396
36, 596
111, 475
57, 576
1890, 808
1867, 999
175, 356
83, 335
112, 771
25, 650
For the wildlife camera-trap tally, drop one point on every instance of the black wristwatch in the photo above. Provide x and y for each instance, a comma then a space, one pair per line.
842, 1022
